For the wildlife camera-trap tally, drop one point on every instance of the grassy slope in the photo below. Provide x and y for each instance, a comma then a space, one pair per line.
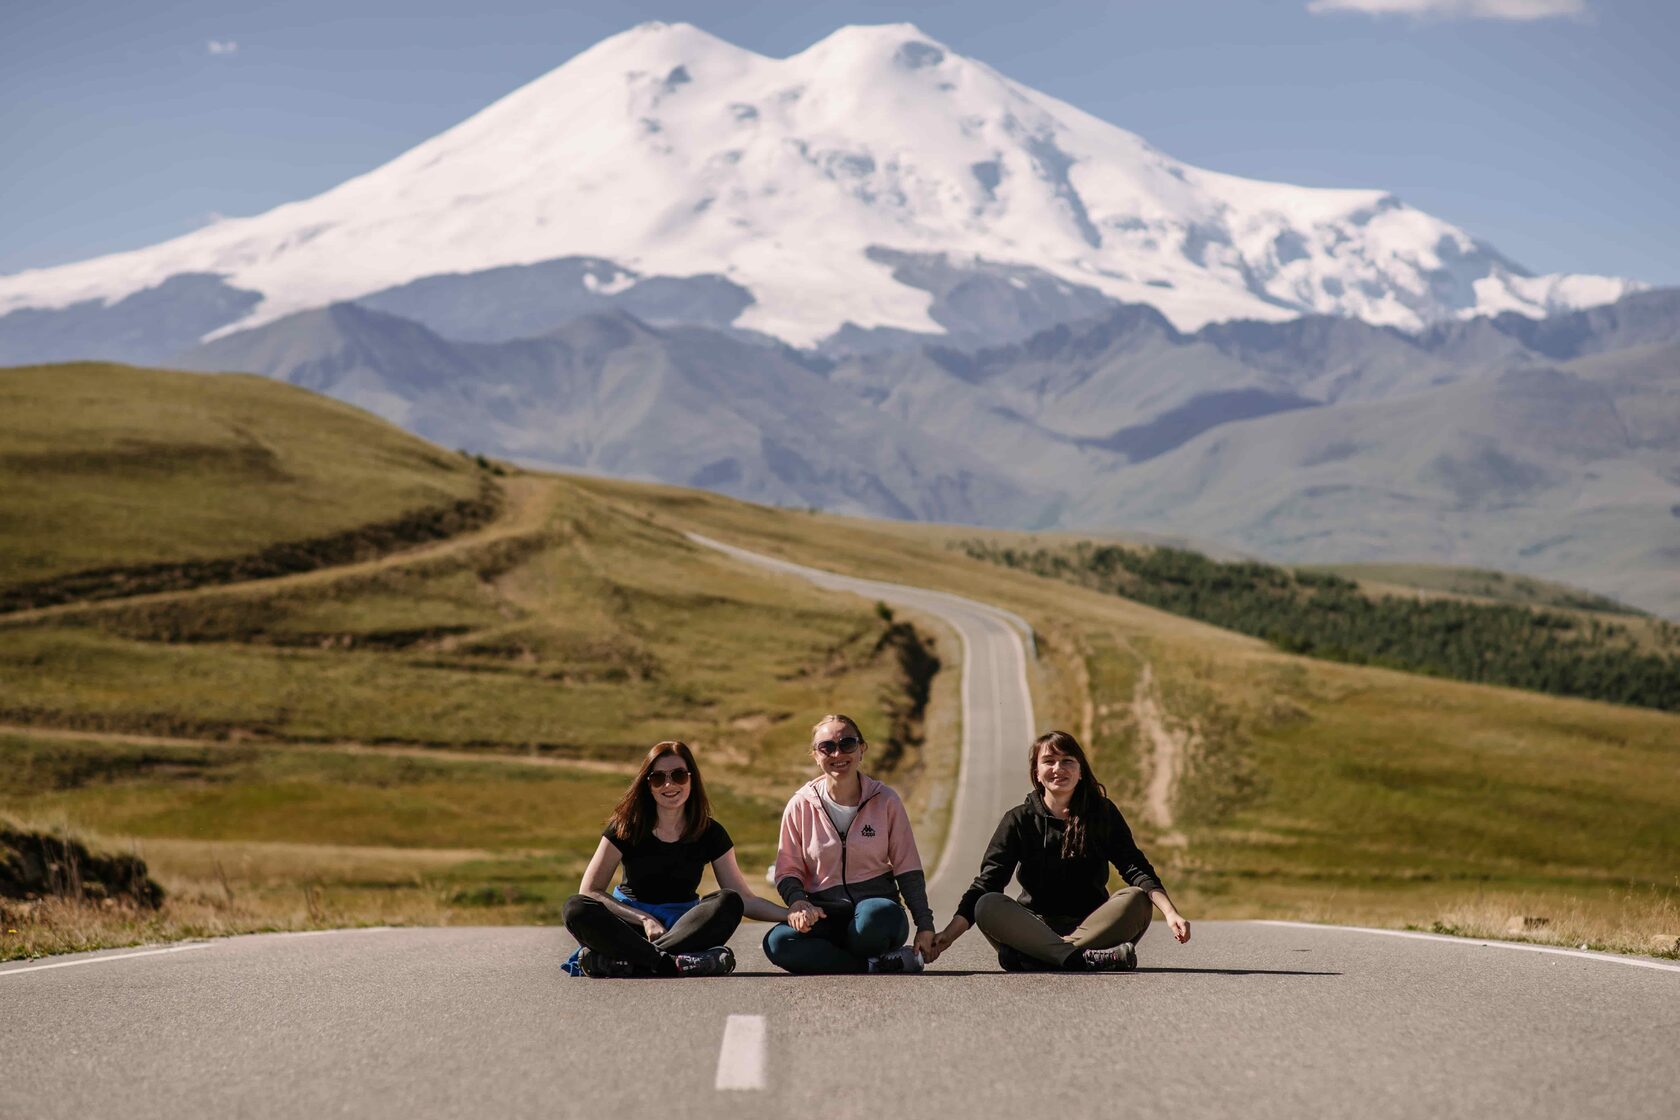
1475, 583
1482, 585
1302, 788
104, 465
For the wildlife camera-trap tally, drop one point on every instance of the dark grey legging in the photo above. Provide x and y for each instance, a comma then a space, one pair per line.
711, 923
1010, 926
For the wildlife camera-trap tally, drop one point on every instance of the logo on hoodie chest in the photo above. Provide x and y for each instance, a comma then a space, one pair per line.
868, 830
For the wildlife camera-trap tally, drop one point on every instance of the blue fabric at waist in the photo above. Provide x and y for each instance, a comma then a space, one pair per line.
666, 912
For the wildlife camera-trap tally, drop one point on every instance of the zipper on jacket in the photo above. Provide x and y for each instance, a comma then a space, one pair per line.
844, 885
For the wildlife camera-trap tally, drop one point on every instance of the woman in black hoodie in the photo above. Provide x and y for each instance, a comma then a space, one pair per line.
1061, 841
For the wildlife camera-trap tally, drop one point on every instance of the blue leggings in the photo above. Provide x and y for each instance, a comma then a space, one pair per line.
878, 925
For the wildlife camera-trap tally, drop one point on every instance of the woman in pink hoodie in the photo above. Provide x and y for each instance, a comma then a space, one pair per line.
846, 857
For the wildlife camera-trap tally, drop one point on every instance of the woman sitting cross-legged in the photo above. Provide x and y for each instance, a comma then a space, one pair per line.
653, 924
1061, 841
846, 855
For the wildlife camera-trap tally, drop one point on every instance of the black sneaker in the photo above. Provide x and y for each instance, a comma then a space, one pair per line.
1013, 960
1121, 958
713, 962
601, 967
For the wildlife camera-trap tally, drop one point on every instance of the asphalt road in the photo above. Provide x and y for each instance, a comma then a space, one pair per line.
1249, 1019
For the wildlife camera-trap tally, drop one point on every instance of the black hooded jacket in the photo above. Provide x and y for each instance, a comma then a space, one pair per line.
1028, 842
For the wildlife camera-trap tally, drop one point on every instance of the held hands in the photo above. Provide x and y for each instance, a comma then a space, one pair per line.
927, 945
802, 915
653, 927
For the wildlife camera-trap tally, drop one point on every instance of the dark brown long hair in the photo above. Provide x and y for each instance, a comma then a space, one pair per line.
633, 817
1084, 809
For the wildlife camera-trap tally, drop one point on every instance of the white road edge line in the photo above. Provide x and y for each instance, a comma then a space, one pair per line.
1607, 958
965, 751
741, 1058
103, 960
4, 971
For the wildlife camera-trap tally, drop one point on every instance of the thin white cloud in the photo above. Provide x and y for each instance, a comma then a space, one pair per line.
222, 46
1513, 10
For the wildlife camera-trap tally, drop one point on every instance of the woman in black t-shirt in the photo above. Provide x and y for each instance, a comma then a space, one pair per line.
653, 923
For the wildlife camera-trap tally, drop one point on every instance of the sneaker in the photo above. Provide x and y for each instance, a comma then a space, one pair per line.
902, 959
713, 962
1013, 960
1121, 958
602, 967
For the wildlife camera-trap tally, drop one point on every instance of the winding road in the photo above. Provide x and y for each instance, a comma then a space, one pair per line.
1250, 1019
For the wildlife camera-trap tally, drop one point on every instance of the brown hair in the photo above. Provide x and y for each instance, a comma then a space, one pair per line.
1088, 795
632, 818
836, 717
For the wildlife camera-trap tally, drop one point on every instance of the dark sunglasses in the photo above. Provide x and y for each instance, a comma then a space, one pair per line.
838, 746
678, 775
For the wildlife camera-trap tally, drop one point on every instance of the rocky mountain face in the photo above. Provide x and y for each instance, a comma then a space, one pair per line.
609, 394
1571, 470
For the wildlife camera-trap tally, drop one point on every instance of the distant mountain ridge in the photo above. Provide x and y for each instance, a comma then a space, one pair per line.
607, 393
1571, 470
1546, 448
874, 187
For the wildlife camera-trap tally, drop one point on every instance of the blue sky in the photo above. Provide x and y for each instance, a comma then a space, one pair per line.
1553, 138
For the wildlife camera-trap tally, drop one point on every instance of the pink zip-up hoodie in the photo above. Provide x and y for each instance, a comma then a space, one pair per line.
865, 863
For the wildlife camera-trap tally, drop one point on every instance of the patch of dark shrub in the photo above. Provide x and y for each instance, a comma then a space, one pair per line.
905, 703
40, 865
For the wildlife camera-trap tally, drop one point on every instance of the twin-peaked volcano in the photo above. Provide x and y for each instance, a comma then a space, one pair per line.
803, 186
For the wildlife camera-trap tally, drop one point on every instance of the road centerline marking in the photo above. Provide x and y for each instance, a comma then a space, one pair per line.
741, 1057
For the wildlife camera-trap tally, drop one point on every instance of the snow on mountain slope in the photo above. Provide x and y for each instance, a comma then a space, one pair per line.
671, 152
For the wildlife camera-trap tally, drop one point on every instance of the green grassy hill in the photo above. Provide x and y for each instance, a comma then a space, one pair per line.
1475, 583
105, 466
434, 735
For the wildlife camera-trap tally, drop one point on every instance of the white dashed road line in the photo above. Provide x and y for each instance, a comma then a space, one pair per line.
1607, 958
741, 1058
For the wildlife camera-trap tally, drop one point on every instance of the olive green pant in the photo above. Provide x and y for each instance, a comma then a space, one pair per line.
1005, 922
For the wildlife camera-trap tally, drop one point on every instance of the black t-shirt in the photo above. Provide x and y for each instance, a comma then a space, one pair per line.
659, 871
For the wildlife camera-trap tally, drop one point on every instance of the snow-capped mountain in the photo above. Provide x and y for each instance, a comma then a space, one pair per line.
807, 183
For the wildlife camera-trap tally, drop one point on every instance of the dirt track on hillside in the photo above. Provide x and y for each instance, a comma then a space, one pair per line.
336, 746
1164, 748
